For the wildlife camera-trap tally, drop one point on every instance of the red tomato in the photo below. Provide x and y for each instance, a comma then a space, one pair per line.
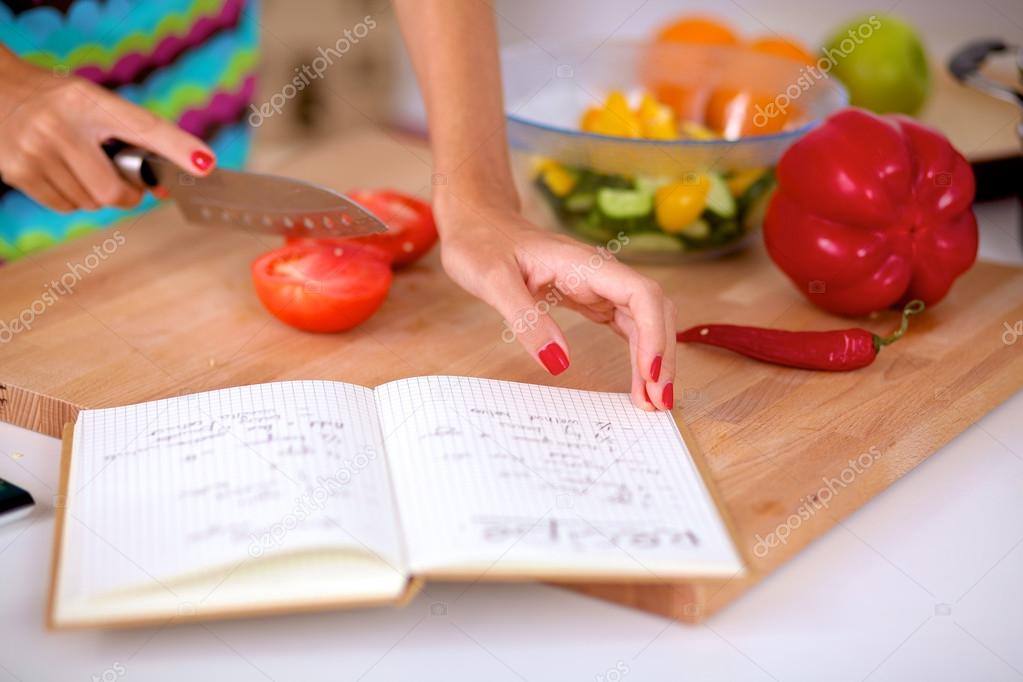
321, 287
411, 231
733, 113
697, 29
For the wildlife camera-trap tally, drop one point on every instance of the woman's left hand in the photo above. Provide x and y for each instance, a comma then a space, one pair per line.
495, 254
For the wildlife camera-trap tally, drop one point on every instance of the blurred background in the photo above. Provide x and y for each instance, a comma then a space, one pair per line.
374, 83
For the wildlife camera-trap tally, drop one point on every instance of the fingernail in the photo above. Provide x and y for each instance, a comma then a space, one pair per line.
553, 358
668, 396
202, 160
655, 368
159, 192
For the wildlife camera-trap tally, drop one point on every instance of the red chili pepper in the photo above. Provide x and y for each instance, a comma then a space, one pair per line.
839, 350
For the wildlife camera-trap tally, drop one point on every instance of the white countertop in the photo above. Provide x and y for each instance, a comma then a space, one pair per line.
924, 582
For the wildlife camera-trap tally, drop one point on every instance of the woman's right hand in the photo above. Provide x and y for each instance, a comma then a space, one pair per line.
51, 131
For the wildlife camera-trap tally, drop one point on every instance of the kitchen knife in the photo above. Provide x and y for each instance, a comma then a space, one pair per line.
252, 202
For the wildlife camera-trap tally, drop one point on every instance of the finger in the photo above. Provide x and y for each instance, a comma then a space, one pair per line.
42, 192
528, 320
644, 300
662, 387
99, 177
142, 128
27, 172
60, 177
638, 393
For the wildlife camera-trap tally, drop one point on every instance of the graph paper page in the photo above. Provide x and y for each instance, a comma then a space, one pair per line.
494, 477
189, 483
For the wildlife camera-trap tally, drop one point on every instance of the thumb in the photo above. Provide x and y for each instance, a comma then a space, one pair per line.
528, 321
144, 129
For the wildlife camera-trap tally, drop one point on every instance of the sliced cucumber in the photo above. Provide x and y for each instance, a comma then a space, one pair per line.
622, 204
645, 242
759, 187
756, 210
698, 229
719, 199
579, 202
724, 232
649, 185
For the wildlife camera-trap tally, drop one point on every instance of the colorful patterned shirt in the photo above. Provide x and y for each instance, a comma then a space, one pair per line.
190, 61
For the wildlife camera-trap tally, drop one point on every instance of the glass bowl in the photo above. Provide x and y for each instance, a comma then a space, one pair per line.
617, 191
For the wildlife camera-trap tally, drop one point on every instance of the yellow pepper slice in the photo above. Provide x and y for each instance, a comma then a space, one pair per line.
697, 131
558, 180
617, 104
741, 180
656, 119
680, 203
614, 118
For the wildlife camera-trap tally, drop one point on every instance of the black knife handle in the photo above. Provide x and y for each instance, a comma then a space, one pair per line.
131, 163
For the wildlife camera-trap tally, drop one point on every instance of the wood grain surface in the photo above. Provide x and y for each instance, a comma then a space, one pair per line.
170, 310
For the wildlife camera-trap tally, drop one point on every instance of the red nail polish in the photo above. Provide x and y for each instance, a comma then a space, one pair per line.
160, 192
202, 160
553, 358
668, 396
655, 368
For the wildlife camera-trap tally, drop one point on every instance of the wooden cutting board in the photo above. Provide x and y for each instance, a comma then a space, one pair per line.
171, 310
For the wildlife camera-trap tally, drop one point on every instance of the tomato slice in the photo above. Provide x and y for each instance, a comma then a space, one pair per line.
321, 287
411, 229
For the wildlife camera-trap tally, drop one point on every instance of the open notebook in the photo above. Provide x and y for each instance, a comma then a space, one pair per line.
314, 494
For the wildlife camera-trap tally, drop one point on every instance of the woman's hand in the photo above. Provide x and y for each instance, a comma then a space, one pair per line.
523, 272
52, 132
486, 245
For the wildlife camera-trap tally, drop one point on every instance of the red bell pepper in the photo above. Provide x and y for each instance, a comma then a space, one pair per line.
872, 212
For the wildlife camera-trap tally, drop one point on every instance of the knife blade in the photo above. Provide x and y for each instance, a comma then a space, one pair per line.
254, 202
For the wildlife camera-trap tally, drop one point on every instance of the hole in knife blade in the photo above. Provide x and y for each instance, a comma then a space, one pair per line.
308, 222
289, 223
266, 221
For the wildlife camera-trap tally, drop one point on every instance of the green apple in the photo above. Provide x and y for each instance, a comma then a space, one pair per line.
882, 62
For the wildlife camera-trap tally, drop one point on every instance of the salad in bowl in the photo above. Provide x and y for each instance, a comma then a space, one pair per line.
665, 149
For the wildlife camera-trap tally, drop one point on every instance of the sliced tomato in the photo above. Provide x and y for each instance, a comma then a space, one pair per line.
321, 287
411, 231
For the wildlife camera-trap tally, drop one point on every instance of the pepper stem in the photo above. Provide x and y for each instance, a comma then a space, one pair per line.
914, 307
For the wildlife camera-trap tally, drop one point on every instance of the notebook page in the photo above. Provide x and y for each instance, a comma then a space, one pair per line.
182, 485
503, 477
